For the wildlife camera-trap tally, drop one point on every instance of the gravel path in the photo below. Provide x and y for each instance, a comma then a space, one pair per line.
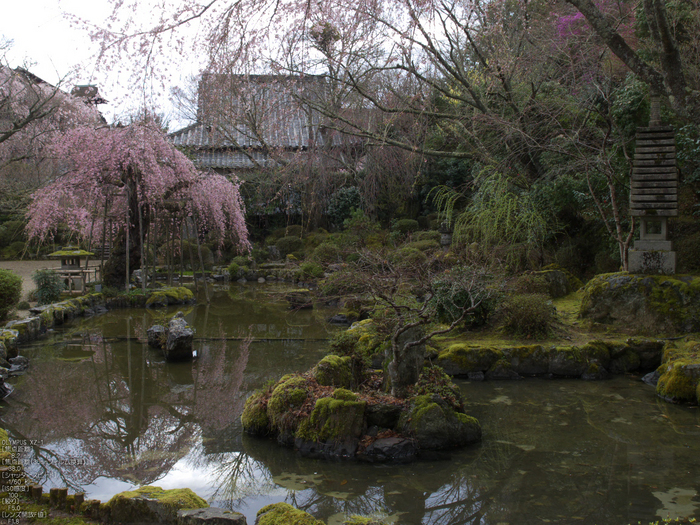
25, 269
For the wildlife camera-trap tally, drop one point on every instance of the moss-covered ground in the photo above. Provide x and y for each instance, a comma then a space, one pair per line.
567, 330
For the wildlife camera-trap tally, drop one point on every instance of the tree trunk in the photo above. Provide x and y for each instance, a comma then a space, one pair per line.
406, 361
115, 267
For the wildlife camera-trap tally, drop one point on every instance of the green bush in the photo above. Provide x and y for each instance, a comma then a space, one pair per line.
455, 291
424, 246
293, 230
326, 253
341, 205
430, 235
10, 292
408, 257
311, 269
528, 315
287, 245
341, 283
405, 226
49, 286
23, 305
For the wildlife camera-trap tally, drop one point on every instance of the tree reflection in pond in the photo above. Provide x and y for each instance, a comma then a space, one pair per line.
123, 414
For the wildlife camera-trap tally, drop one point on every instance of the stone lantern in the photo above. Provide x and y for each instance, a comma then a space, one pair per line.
654, 196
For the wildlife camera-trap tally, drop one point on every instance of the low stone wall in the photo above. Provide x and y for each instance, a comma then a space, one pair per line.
47, 317
594, 360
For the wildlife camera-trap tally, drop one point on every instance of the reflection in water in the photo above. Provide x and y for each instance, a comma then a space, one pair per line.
107, 409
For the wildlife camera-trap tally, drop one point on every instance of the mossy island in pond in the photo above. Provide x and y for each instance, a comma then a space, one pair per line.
320, 419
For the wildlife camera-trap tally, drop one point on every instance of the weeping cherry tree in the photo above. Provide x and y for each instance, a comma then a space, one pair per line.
117, 181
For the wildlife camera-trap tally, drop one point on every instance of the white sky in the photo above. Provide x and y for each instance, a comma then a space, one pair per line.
55, 51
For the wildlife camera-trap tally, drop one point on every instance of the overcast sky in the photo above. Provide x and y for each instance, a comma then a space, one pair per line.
54, 50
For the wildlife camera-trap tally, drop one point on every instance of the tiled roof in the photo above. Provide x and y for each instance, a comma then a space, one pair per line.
256, 114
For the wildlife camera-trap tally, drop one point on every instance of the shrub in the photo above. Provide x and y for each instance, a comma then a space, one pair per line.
528, 315
23, 305
49, 286
431, 235
293, 230
455, 291
310, 269
290, 244
424, 246
405, 226
326, 253
10, 291
408, 257
341, 283
342, 203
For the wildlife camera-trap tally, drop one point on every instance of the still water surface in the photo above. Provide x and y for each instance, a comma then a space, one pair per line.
110, 414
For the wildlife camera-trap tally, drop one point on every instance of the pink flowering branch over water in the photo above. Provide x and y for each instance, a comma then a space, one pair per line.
104, 165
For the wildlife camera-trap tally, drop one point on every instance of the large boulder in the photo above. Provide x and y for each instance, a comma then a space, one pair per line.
334, 370
178, 344
436, 426
334, 427
679, 374
646, 303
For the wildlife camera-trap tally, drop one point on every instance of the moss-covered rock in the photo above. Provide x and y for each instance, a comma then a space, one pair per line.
680, 373
644, 302
254, 418
461, 359
333, 428
528, 360
289, 395
152, 504
170, 295
435, 425
334, 370
284, 514
567, 362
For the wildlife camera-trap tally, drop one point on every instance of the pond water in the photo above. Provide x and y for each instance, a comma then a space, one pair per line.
109, 414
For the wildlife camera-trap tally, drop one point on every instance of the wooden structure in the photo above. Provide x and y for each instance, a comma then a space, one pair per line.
654, 197
72, 271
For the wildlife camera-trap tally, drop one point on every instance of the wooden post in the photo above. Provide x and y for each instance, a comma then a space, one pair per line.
57, 497
35, 492
78, 499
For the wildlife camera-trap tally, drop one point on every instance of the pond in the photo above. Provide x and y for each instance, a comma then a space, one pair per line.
107, 414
